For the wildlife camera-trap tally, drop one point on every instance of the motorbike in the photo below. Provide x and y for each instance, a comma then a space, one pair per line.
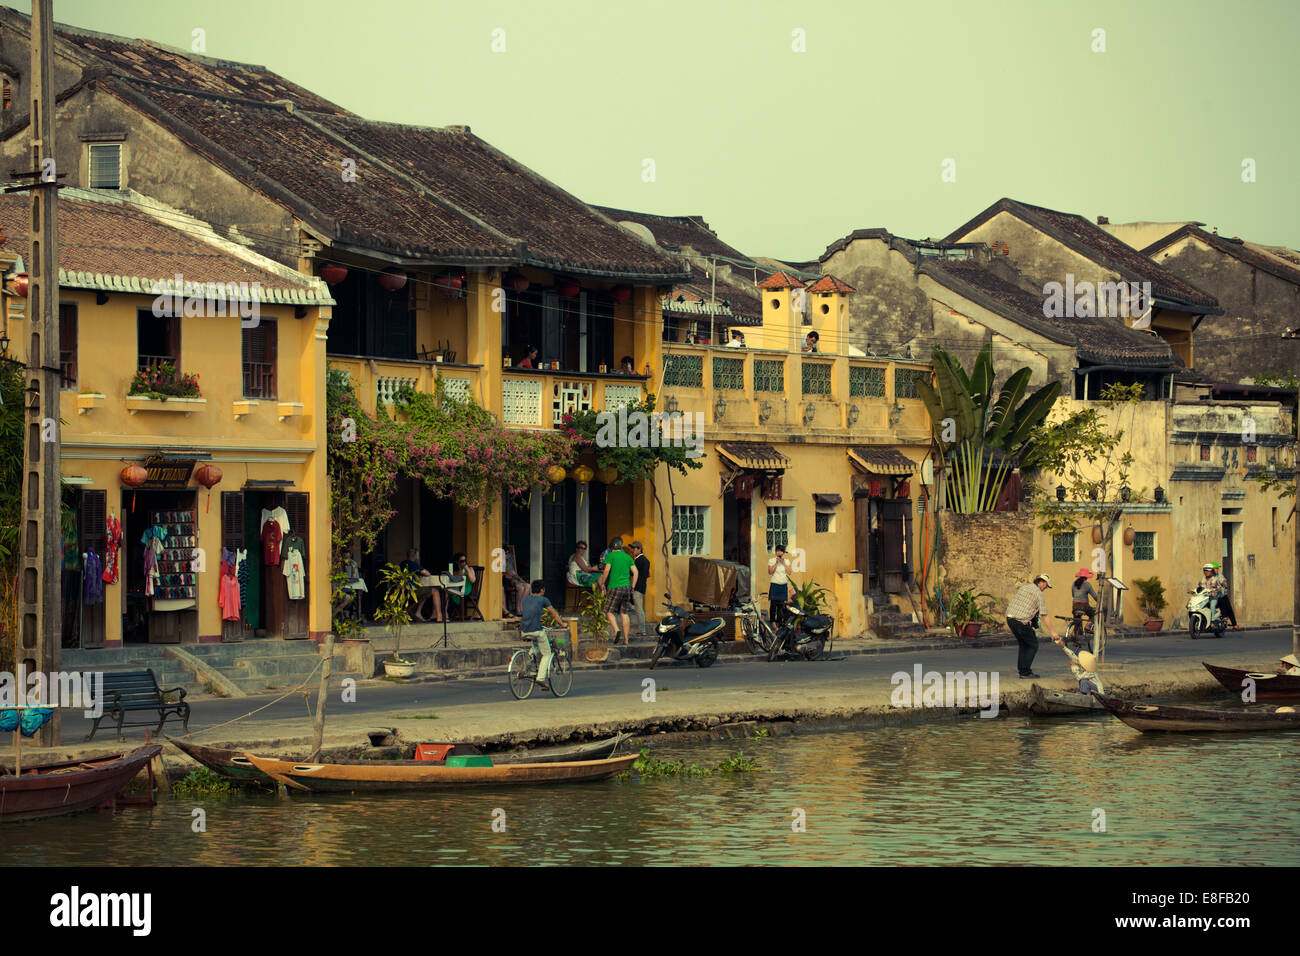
682, 638
801, 635
1201, 617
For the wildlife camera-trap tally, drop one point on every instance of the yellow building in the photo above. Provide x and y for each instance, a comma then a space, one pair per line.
140, 288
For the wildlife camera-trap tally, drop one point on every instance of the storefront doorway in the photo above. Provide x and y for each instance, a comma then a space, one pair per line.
266, 609
84, 531
162, 606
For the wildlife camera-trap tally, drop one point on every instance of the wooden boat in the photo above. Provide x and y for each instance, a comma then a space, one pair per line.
1048, 703
53, 789
1157, 717
234, 765
362, 776
1278, 687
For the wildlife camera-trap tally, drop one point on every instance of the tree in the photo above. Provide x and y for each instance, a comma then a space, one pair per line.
1091, 455
981, 439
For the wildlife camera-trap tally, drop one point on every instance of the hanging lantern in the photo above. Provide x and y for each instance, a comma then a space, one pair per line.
904, 490
1129, 535
207, 476
1096, 534
20, 284
133, 476
333, 275
392, 281
607, 475
568, 288
555, 474
583, 474
450, 284
621, 293
875, 489
516, 281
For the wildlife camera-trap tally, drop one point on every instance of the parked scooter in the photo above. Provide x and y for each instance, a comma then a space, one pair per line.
801, 635
683, 638
1199, 616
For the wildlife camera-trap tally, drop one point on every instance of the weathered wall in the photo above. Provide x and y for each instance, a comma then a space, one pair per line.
990, 552
888, 310
1246, 340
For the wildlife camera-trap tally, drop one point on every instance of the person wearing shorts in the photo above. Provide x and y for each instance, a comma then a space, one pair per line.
618, 579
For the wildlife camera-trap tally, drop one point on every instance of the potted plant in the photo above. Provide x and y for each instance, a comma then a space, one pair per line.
968, 609
809, 598
1151, 599
592, 620
401, 587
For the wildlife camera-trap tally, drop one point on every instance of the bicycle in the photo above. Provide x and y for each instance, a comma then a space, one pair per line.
1078, 632
522, 671
758, 634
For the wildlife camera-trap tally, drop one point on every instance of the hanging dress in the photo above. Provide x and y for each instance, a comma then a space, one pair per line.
113, 543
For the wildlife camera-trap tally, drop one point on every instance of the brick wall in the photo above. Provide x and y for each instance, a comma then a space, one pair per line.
990, 551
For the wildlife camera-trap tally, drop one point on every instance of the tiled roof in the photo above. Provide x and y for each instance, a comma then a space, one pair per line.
419, 193
882, 461
756, 455
744, 306
106, 243
1101, 247
144, 59
1275, 260
1099, 340
829, 283
677, 233
781, 280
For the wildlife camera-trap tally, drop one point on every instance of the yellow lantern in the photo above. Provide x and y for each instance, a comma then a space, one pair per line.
1129, 535
555, 474
607, 475
583, 474
1096, 534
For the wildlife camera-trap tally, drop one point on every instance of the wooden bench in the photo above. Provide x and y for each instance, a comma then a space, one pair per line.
126, 692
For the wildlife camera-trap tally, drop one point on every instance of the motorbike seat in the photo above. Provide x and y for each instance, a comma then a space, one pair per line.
815, 622
699, 628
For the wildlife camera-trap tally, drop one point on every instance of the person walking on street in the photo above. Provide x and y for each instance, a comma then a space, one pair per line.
778, 591
638, 591
618, 579
1028, 609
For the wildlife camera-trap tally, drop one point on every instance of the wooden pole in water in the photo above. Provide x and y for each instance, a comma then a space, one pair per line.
18, 751
319, 722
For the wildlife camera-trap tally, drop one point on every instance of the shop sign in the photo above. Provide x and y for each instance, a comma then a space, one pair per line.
168, 472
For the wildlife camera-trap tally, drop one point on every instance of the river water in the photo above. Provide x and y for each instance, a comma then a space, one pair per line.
968, 791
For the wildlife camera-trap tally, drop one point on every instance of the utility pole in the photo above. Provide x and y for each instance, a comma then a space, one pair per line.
40, 625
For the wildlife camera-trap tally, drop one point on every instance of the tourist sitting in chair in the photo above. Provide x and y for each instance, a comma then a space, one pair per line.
581, 574
460, 589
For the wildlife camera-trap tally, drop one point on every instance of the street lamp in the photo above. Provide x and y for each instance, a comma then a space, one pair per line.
1060, 492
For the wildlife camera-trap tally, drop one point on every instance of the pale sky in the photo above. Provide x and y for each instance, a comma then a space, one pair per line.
782, 152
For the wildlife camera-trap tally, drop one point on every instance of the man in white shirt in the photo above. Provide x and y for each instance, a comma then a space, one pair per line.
1027, 608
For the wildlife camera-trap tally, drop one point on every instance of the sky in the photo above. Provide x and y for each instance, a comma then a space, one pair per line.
787, 125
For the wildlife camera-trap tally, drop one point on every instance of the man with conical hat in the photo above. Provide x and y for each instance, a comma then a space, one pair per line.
1290, 666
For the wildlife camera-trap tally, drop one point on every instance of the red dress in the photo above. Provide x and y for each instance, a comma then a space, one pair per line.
114, 543
271, 543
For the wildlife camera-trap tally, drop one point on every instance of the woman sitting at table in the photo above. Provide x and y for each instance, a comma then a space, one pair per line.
457, 591
581, 574
412, 563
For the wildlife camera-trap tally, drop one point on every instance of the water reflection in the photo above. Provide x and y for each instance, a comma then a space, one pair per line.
957, 792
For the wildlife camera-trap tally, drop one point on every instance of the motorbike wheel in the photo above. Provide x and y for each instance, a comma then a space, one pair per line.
1218, 631
521, 680
707, 655
657, 653
561, 676
1194, 626
778, 644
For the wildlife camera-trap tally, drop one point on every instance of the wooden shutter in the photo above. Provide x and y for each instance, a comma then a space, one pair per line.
68, 343
232, 519
92, 521
297, 506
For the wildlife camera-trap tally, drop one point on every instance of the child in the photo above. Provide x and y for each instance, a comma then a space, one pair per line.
534, 608
1084, 667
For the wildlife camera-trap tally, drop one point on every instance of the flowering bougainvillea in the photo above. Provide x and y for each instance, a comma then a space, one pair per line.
163, 381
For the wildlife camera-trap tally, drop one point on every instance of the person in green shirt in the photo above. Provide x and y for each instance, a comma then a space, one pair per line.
618, 579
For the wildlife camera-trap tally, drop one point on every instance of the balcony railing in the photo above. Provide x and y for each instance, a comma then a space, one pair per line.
541, 399
377, 381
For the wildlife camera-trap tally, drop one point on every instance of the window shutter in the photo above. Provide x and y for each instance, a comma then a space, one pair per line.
297, 505
68, 343
106, 166
232, 519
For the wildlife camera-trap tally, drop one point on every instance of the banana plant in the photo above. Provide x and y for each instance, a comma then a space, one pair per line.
982, 438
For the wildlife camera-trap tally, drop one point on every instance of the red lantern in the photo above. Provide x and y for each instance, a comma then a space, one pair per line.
516, 282
133, 476
207, 476
20, 284
904, 490
875, 489
450, 285
568, 288
621, 293
392, 281
333, 275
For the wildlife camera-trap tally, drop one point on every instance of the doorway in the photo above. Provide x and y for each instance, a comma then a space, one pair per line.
266, 609
161, 603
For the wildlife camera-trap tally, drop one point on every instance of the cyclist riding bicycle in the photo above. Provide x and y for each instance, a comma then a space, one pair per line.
1080, 607
535, 606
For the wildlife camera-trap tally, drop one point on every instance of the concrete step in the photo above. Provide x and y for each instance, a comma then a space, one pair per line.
273, 684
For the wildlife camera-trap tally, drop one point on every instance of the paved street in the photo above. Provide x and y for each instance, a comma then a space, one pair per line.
604, 694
